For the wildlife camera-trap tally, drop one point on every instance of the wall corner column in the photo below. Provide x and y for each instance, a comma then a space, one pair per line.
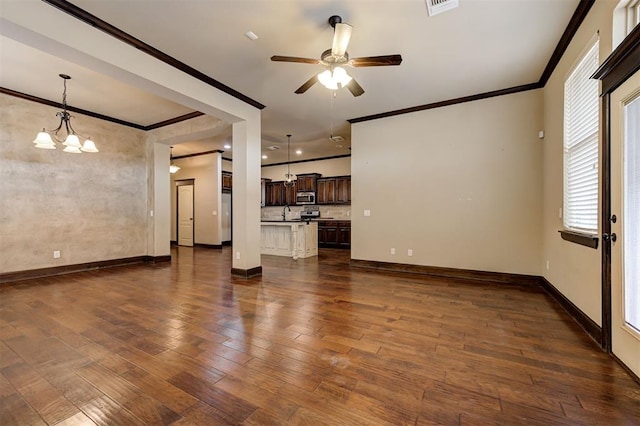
246, 197
159, 238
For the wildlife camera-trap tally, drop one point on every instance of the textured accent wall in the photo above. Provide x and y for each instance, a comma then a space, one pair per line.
91, 207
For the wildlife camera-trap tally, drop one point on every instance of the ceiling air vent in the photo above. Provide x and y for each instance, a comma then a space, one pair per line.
438, 6
273, 147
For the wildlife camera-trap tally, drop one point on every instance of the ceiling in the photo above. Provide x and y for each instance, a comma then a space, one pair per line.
478, 47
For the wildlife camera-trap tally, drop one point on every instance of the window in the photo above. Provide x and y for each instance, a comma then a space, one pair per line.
626, 16
581, 122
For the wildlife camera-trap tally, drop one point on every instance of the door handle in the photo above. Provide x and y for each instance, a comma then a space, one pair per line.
613, 237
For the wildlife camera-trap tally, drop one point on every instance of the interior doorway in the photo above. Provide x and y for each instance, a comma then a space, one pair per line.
185, 201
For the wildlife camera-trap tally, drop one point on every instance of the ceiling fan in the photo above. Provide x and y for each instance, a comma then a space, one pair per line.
335, 76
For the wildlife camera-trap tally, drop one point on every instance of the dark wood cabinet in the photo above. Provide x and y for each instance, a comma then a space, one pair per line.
290, 194
344, 234
343, 190
334, 234
326, 193
278, 194
227, 182
330, 190
307, 182
334, 190
274, 194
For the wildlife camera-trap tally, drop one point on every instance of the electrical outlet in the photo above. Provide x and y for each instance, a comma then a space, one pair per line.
56, 254
547, 265
393, 251
151, 213
367, 212
410, 252
238, 255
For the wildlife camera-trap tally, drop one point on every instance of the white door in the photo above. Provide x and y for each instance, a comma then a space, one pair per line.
226, 217
185, 215
625, 205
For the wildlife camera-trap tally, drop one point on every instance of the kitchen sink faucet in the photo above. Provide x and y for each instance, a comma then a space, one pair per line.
284, 212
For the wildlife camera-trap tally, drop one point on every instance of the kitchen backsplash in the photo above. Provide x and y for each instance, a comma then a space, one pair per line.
326, 212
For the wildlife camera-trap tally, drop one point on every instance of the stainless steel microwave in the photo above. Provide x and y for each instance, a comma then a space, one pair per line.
306, 198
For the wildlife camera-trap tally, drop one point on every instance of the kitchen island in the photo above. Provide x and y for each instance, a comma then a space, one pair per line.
291, 238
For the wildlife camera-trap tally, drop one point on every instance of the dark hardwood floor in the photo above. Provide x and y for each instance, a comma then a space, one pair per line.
312, 341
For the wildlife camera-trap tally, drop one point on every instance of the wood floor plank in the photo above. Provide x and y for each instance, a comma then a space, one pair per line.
105, 411
311, 341
14, 410
234, 409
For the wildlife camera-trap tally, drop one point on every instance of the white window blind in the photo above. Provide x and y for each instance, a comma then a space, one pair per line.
631, 223
581, 118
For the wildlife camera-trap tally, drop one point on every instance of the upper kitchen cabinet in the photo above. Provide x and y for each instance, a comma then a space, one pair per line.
290, 194
307, 182
343, 190
334, 190
274, 194
326, 193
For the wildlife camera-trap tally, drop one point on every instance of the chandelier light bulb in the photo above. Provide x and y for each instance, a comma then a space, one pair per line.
334, 79
72, 140
72, 149
89, 146
44, 141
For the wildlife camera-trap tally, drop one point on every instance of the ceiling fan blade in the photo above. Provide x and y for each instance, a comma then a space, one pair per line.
341, 37
277, 58
355, 88
376, 61
313, 80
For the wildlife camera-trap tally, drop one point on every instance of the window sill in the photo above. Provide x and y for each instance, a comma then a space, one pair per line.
587, 240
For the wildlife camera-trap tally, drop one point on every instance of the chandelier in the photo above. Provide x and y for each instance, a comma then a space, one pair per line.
289, 177
71, 141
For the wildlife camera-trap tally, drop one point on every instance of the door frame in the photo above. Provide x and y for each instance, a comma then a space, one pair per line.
186, 182
623, 62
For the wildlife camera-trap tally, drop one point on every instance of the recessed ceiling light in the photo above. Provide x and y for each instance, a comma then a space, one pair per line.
251, 35
227, 146
264, 157
298, 151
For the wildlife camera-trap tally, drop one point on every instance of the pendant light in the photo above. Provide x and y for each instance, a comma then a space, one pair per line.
172, 167
289, 177
45, 139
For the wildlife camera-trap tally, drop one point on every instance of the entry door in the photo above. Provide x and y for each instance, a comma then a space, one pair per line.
185, 215
625, 205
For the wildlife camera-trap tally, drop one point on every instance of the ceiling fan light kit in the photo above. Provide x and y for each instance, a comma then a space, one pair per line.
335, 59
45, 139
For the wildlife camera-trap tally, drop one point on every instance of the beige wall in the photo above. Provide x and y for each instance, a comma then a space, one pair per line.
206, 193
91, 207
333, 167
573, 269
459, 185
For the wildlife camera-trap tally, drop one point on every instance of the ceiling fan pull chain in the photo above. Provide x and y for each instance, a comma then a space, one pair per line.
333, 95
